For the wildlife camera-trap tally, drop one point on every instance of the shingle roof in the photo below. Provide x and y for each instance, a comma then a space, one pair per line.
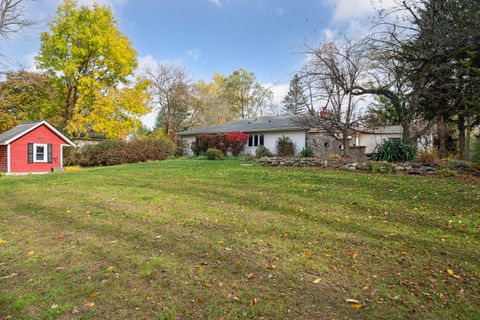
378, 130
24, 128
260, 124
21, 128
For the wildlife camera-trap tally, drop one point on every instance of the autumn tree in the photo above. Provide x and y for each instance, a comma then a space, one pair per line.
28, 96
93, 63
245, 94
330, 70
170, 90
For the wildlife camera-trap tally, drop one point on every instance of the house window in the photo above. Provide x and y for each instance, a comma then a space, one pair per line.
255, 140
39, 153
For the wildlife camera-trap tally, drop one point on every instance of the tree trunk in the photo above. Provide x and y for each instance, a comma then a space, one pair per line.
406, 131
345, 146
461, 136
467, 137
442, 138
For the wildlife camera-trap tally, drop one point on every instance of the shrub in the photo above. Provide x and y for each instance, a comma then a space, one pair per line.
262, 151
214, 154
114, 152
285, 147
428, 156
395, 150
179, 147
307, 152
236, 142
380, 167
445, 172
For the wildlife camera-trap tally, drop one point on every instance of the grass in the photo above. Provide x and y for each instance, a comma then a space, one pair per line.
216, 240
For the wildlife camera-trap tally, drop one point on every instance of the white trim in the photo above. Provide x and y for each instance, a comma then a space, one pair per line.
8, 158
35, 127
61, 154
45, 152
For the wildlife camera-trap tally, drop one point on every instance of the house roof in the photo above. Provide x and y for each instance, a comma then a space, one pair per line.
22, 129
381, 130
260, 124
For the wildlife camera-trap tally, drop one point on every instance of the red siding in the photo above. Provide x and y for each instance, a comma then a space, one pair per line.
19, 151
3, 158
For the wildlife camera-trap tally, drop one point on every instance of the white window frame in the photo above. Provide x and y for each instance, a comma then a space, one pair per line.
45, 153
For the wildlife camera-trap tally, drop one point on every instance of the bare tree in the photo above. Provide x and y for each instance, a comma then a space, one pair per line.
331, 69
12, 18
170, 89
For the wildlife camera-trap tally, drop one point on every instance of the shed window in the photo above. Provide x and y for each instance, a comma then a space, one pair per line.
255, 140
40, 152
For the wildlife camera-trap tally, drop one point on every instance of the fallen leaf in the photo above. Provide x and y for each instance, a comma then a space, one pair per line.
31, 252
54, 306
317, 280
93, 294
89, 304
250, 275
356, 306
450, 272
352, 254
111, 269
3, 241
306, 254
365, 287
271, 266
236, 299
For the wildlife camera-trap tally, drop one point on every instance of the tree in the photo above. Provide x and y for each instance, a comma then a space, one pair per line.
170, 89
294, 102
92, 61
28, 96
245, 95
12, 18
331, 69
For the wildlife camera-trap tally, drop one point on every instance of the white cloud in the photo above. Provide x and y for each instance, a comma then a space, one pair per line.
329, 34
194, 53
31, 64
216, 2
349, 9
279, 92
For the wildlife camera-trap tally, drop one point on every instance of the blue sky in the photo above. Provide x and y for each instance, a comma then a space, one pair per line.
207, 36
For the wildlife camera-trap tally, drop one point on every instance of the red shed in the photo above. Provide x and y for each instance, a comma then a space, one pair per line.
33, 147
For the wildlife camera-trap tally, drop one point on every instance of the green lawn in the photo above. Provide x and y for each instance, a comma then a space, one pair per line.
191, 239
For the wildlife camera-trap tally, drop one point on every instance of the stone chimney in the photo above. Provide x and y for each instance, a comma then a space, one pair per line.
324, 113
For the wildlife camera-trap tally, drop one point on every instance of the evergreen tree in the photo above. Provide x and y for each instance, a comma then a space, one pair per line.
294, 102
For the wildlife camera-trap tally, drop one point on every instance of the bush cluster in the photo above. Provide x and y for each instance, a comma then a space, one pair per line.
262, 151
214, 154
307, 152
234, 142
395, 150
285, 147
114, 152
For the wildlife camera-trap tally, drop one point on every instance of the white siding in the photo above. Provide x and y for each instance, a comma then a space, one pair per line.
270, 142
370, 141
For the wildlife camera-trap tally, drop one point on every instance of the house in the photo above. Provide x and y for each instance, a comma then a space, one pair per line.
33, 147
265, 131
262, 131
370, 138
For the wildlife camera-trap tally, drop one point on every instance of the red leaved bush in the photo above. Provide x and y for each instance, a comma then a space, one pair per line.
234, 142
